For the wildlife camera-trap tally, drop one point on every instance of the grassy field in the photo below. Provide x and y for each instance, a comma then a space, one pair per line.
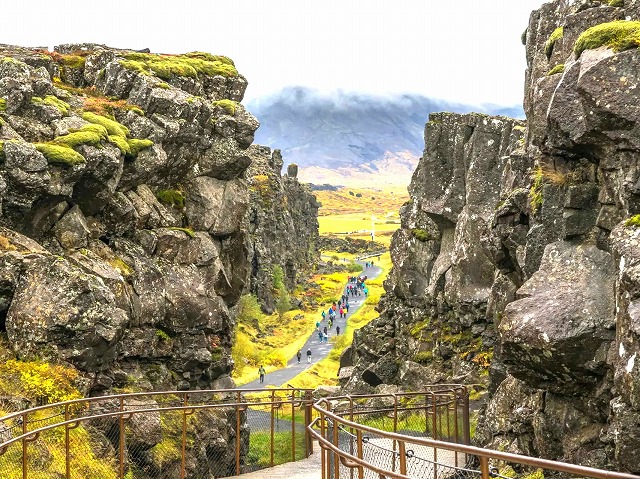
344, 213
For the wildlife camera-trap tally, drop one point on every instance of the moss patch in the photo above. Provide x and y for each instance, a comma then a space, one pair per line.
616, 3
535, 192
78, 138
3, 104
137, 145
633, 221
556, 69
556, 35
121, 143
421, 235
189, 65
62, 106
112, 126
188, 231
58, 154
173, 198
619, 35
228, 105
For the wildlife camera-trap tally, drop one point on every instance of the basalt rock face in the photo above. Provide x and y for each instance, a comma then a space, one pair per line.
528, 249
123, 198
569, 336
282, 222
433, 324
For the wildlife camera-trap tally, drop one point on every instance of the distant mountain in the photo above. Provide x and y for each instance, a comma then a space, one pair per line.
350, 134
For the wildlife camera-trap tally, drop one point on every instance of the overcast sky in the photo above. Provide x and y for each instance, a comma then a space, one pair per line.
463, 50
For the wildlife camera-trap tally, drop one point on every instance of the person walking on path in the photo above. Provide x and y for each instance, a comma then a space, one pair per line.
309, 355
261, 372
299, 355
337, 329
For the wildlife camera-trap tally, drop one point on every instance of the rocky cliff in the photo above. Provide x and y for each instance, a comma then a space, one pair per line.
282, 222
531, 247
123, 198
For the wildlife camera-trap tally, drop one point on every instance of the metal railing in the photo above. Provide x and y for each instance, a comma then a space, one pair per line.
434, 443
175, 434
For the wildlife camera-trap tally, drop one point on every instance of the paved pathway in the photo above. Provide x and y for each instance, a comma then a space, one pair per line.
318, 350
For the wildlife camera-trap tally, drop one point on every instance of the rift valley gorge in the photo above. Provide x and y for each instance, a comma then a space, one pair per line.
137, 211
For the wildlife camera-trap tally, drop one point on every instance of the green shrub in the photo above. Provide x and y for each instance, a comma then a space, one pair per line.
354, 267
137, 145
619, 35
633, 221
58, 154
62, 106
228, 105
553, 38
421, 235
78, 138
112, 126
173, 198
556, 69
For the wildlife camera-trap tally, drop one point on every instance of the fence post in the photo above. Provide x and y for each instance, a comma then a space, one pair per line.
24, 418
121, 439
272, 426
238, 398
308, 412
293, 427
185, 398
67, 466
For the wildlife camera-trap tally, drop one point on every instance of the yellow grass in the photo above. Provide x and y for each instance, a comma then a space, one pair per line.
358, 225
379, 203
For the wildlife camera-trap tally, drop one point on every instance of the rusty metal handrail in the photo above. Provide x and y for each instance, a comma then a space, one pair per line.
323, 408
123, 411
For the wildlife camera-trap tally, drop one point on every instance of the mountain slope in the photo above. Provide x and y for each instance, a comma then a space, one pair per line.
358, 133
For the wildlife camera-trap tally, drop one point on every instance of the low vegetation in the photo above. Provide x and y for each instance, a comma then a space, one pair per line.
61, 155
188, 65
556, 69
619, 35
50, 100
227, 105
174, 198
556, 35
634, 221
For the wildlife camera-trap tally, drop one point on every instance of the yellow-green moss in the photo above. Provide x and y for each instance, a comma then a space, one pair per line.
122, 266
228, 105
535, 192
210, 57
78, 138
2, 157
619, 35
112, 126
188, 231
3, 104
163, 85
421, 235
553, 38
58, 154
121, 143
62, 106
423, 357
162, 336
173, 198
137, 145
616, 3
556, 69
189, 65
95, 128
633, 221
